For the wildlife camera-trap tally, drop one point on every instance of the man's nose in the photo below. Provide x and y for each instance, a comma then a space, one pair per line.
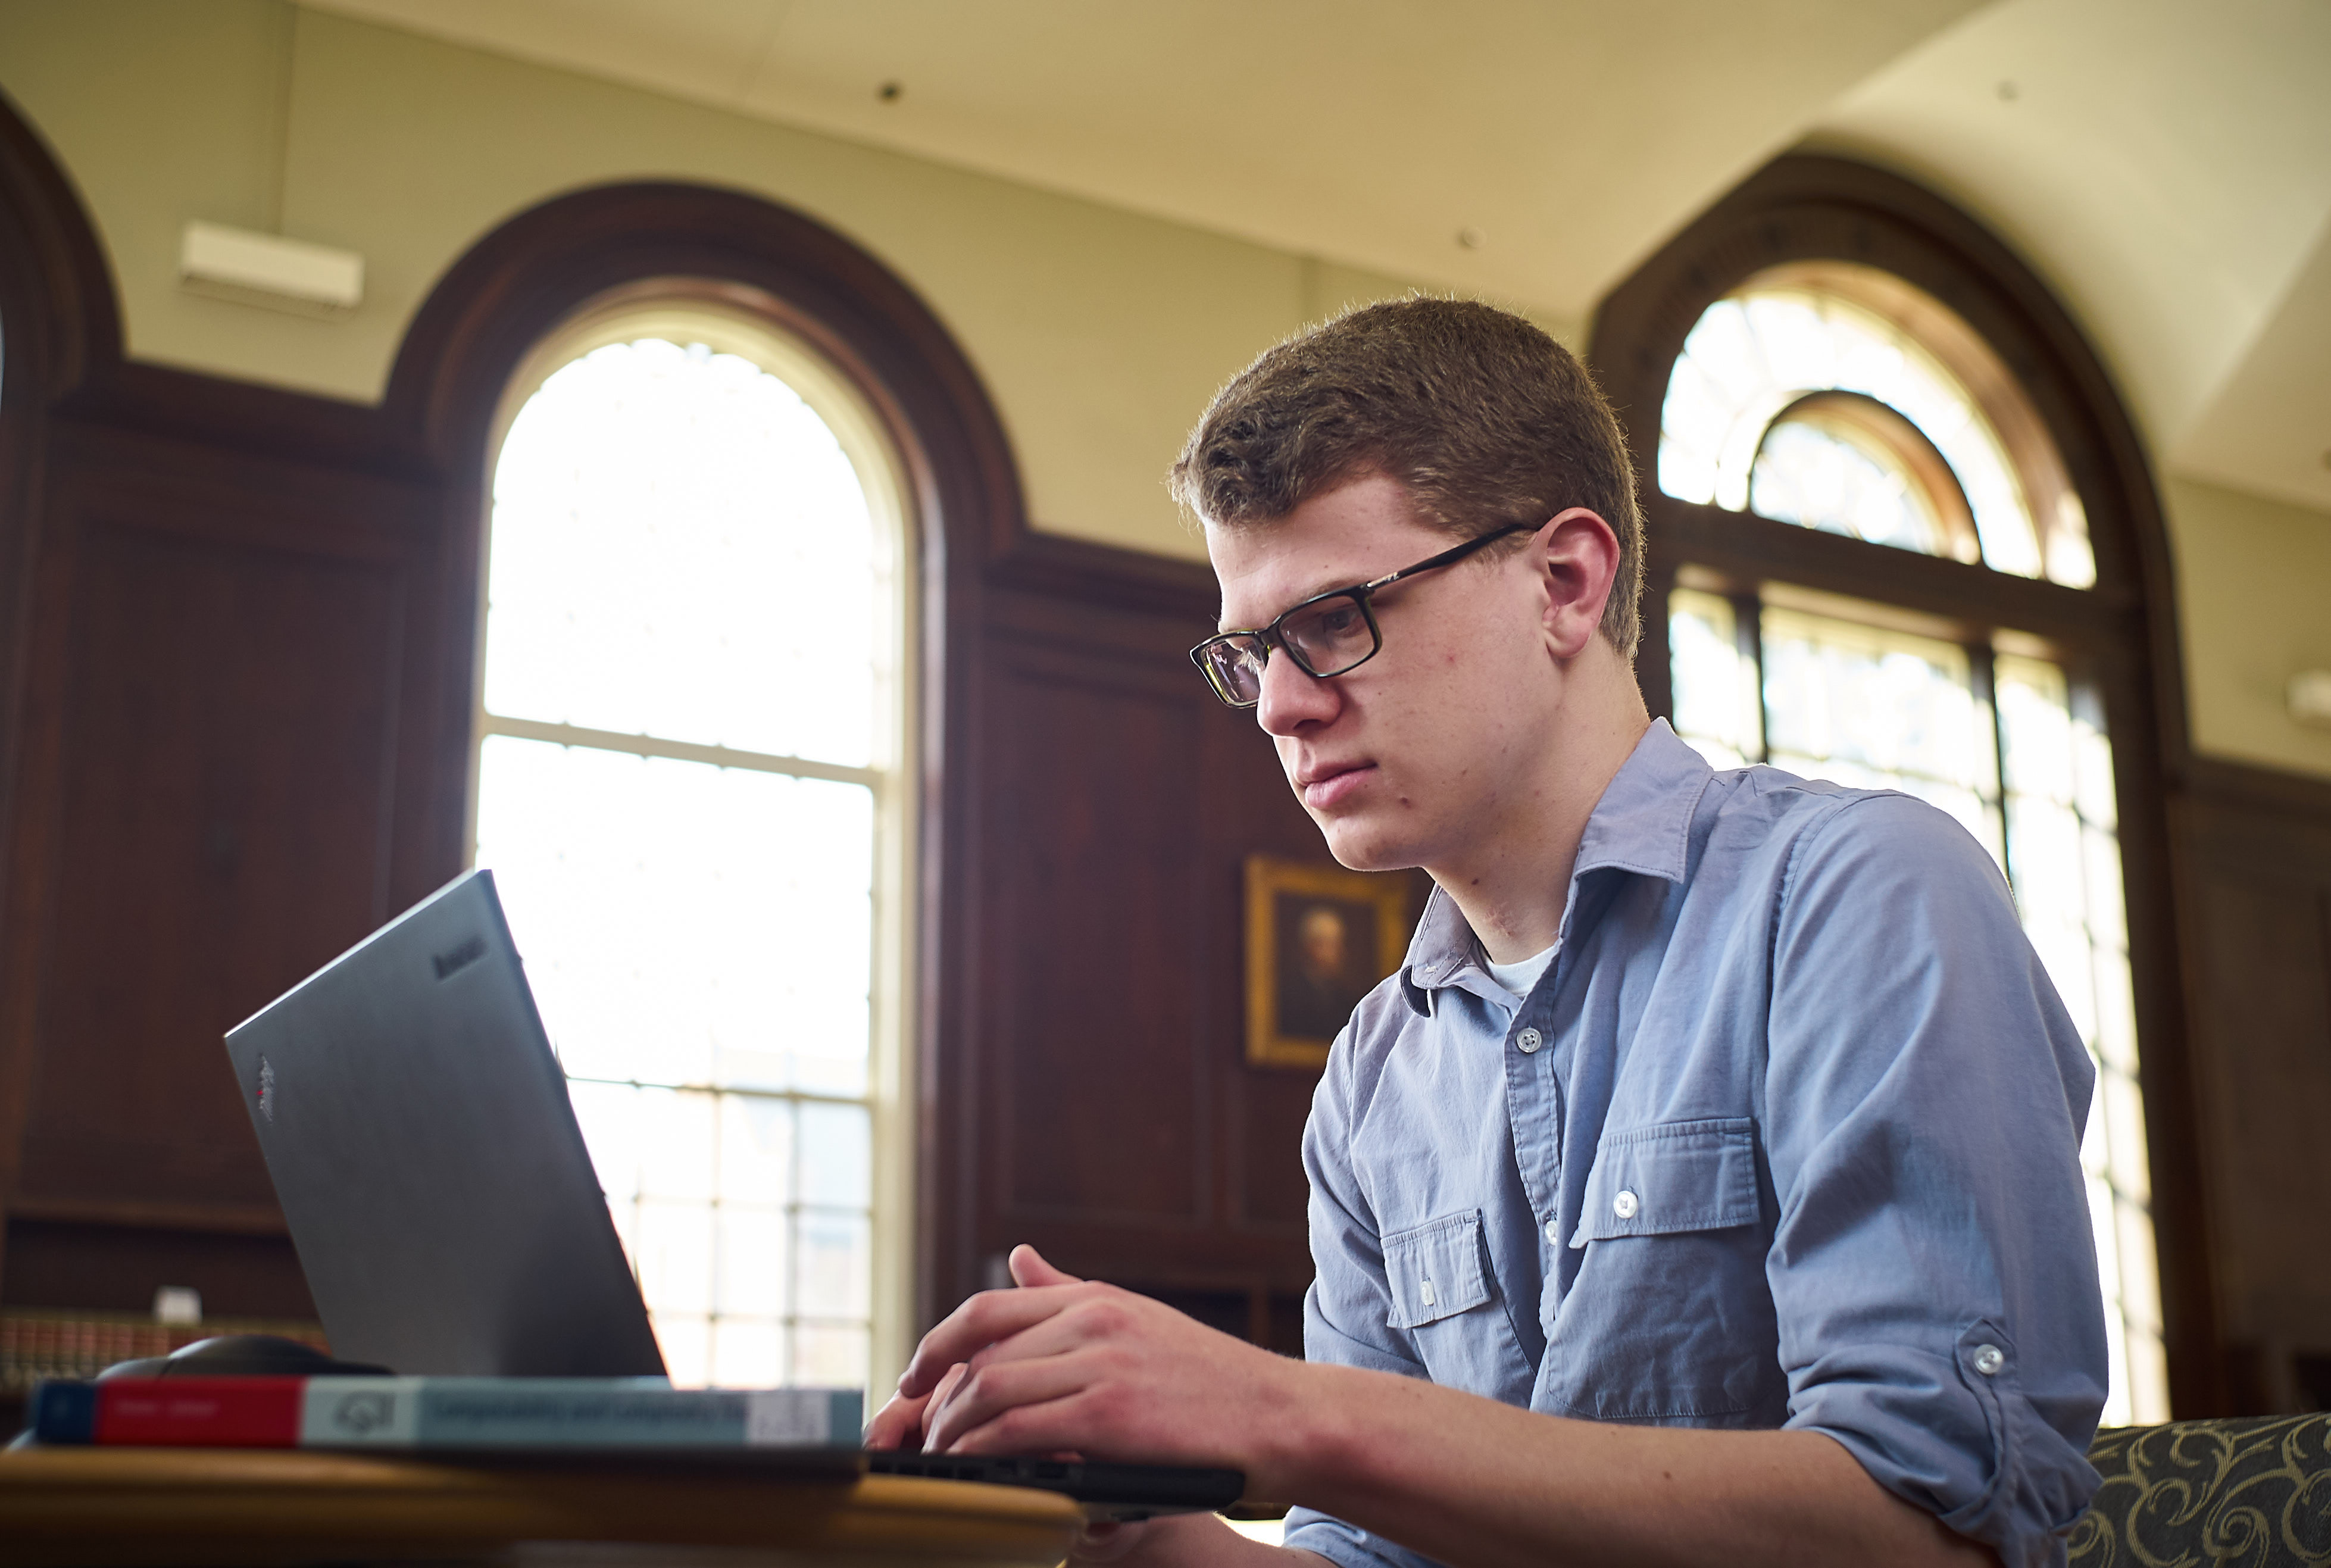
1292, 697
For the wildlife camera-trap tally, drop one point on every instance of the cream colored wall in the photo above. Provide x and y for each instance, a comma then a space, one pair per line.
1100, 333
2254, 597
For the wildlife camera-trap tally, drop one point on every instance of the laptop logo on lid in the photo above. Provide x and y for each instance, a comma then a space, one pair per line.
459, 957
266, 1089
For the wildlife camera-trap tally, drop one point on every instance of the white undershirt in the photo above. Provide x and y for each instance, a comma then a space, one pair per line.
1521, 975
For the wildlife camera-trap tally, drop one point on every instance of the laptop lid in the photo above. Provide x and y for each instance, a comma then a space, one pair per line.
419, 1135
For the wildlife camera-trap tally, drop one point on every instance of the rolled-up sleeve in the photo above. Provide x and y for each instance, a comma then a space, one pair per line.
1932, 1267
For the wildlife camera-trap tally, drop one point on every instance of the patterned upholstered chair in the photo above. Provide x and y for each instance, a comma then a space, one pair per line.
2210, 1494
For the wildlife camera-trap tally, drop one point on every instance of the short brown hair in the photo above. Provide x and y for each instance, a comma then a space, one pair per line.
1482, 416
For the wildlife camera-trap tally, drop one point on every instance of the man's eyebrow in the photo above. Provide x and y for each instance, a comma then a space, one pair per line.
1342, 580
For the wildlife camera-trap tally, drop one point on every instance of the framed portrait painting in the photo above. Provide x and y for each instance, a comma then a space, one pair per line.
1317, 939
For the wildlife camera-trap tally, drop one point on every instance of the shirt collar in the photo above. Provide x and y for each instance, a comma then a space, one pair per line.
1641, 824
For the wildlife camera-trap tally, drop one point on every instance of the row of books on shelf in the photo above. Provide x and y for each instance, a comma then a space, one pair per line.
439, 1414
36, 1344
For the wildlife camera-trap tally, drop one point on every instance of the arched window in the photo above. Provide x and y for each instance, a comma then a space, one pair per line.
692, 781
1838, 397
1813, 389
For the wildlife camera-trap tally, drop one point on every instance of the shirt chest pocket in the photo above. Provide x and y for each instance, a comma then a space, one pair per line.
1444, 1295
1669, 1177
1670, 1318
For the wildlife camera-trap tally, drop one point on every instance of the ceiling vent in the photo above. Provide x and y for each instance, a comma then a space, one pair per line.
269, 271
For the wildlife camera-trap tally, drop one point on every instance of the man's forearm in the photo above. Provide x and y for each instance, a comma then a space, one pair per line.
1452, 1476
1473, 1482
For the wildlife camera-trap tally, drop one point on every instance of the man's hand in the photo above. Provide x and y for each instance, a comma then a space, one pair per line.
941, 1417
1061, 1365
902, 1417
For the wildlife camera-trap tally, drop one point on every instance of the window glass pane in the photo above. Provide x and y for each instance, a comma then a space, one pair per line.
1879, 710
672, 1251
674, 1140
754, 1258
2066, 857
1811, 476
680, 548
831, 1356
682, 923
1715, 703
757, 1150
749, 1353
836, 1169
831, 1281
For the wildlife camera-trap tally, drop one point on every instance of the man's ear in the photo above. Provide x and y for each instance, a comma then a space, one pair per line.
1578, 561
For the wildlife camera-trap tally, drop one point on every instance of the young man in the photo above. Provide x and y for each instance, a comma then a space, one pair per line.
1705, 1186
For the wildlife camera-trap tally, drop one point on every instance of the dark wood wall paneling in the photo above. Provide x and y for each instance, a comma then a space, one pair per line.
2253, 855
215, 653
237, 624
2227, 869
1113, 1122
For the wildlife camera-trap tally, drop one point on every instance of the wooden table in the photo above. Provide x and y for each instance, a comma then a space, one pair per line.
141, 1507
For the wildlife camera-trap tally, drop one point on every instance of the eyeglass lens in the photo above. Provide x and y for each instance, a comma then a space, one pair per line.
1328, 637
1325, 639
1234, 665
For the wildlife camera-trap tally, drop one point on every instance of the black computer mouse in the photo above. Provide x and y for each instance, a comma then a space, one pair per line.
244, 1355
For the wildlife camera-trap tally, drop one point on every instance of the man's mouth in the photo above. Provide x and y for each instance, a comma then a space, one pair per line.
1324, 785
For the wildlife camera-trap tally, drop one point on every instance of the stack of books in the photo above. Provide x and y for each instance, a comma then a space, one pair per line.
443, 1414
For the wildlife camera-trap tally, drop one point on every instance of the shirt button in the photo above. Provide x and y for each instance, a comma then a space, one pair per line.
1625, 1204
1989, 1359
1529, 1040
1553, 1232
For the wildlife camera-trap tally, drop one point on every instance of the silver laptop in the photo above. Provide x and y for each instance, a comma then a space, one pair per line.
421, 1140
445, 1210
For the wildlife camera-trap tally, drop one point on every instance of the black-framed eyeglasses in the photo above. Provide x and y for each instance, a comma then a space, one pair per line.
1329, 634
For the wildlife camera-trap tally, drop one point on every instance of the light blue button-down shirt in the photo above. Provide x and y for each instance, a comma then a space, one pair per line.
1787, 1136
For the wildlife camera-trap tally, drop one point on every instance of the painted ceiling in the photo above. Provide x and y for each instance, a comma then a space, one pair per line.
2166, 165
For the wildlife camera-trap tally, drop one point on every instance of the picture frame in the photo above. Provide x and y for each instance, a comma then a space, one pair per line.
1318, 938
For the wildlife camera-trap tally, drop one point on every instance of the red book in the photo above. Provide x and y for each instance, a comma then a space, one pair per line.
235, 1412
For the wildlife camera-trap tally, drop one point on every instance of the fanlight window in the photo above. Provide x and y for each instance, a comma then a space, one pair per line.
1834, 398
690, 735
1901, 451
1846, 463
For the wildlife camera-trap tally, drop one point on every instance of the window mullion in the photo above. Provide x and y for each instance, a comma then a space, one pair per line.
678, 750
1982, 678
1748, 637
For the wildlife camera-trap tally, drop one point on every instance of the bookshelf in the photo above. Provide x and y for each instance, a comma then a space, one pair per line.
38, 1342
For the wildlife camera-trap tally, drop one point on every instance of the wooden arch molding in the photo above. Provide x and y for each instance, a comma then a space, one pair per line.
57, 320
518, 282
540, 267
1815, 208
